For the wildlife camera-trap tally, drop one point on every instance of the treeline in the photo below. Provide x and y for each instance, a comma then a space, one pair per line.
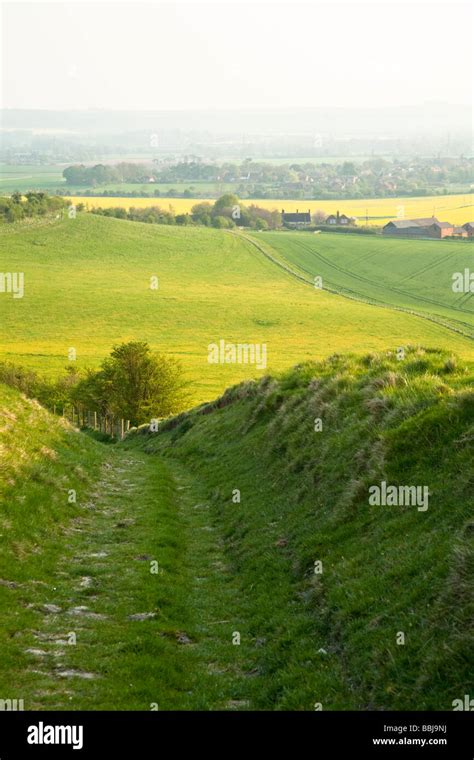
101, 174
374, 177
227, 212
142, 192
31, 204
133, 383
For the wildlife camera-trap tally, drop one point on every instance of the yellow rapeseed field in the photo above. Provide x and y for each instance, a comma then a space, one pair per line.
447, 208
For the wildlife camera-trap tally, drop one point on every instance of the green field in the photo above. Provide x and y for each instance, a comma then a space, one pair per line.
24, 177
87, 287
411, 274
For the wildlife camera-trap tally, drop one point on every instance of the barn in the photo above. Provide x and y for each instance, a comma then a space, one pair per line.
404, 228
430, 227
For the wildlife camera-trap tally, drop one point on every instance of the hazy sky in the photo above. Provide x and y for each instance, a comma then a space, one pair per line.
178, 55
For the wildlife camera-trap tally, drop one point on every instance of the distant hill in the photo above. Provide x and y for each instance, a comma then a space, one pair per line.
397, 121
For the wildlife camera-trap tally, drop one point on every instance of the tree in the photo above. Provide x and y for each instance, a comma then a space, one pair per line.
225, 204
222, 222
139, 385
348, 169
200, 211
318, 216
183, 219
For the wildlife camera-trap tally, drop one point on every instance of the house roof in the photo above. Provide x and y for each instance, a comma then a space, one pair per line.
403, 224
301, 216
459, 229
425, 222
468, 224
340, 216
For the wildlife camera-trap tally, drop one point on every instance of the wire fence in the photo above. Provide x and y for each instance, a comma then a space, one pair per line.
116, 427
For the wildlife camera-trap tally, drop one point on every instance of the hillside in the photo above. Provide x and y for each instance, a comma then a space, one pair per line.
42, 461
87, 286
331, 637
287, 593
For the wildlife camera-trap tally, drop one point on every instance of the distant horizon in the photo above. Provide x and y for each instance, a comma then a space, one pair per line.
227, 109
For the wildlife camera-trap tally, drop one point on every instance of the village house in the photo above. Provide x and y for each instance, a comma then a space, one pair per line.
296, 219
469, 227
340, 219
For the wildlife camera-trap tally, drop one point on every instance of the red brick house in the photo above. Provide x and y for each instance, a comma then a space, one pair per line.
460, 232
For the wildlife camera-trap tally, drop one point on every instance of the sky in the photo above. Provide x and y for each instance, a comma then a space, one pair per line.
194, 55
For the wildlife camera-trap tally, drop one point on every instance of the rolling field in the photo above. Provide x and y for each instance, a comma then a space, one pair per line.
411, 274
457, 209
87, 287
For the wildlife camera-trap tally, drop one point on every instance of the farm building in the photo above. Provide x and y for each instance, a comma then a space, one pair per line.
340, 219
430, 227
460, 232
469, 227
296, 219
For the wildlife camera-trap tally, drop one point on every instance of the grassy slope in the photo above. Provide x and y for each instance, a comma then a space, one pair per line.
331, 638
41, 460
92, 561
412, 274
247, 567
87, 286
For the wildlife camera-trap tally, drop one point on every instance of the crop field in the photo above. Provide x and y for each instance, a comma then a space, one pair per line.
457, 209
87, 287
410, 274
24, 177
